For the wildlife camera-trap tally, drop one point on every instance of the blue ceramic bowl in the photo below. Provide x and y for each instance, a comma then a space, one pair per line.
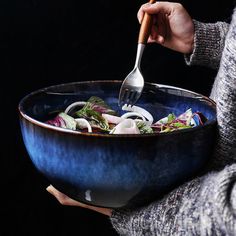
116, 170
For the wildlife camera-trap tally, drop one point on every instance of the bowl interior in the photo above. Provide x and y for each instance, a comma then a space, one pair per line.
159, 100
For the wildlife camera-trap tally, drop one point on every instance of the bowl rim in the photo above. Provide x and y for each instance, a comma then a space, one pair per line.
76, 132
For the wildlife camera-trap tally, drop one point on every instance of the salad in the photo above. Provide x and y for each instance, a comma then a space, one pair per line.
94, 115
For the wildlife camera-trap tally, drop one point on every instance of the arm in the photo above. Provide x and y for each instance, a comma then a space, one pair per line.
201, 43
205, 206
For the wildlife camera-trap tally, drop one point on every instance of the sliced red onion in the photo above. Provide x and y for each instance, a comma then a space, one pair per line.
139, 110
58, 121
112, 119
127, 126
75, 104
64, 121
187, 116
70, 121
83, 123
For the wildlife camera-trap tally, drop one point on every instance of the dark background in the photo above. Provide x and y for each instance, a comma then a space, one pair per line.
50, 42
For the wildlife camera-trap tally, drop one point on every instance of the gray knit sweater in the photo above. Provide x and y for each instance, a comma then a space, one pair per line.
205, 205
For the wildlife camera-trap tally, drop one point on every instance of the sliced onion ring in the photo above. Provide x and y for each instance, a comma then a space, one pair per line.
83, 123
81, 103
139, 110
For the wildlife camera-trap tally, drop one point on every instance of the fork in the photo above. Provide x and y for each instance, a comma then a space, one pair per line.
132, 86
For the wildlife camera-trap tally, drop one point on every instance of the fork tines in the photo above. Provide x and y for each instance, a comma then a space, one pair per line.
128, 96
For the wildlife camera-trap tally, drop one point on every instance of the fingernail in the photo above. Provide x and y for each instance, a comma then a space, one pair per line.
49, 188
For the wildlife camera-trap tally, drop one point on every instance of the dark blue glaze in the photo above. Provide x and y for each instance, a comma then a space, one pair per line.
116, 170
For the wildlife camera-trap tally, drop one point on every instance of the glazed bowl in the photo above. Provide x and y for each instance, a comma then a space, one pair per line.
116, 170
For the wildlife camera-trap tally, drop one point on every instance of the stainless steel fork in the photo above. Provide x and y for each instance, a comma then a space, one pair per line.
132, 86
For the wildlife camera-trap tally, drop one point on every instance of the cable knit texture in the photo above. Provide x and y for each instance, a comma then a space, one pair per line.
205, 206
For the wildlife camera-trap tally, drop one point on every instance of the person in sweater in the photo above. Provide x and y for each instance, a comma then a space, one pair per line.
205, 205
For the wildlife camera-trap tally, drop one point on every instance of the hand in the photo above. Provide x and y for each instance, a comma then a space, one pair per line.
172, 26
65, 200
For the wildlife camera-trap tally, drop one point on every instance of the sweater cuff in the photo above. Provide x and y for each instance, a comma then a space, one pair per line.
208, 44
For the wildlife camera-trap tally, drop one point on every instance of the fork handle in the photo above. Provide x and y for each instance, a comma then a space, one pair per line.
145, 27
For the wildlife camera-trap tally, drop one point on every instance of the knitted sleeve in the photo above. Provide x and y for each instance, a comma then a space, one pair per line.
224, 94
209, 41
204, 206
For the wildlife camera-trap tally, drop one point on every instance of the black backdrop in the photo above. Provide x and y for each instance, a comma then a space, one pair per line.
50, 42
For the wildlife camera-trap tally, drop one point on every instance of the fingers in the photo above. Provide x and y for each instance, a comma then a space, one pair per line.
159, 39
160, 10
65, 200
62, 198
158, 32
141, 12
155, 8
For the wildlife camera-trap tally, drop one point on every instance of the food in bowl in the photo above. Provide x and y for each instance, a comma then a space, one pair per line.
95, 115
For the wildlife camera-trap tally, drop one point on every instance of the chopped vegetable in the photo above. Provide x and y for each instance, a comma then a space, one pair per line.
96, 116
64, 121
93, 110
143, 127
127, 126
171, 122
112, 119
82, 123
